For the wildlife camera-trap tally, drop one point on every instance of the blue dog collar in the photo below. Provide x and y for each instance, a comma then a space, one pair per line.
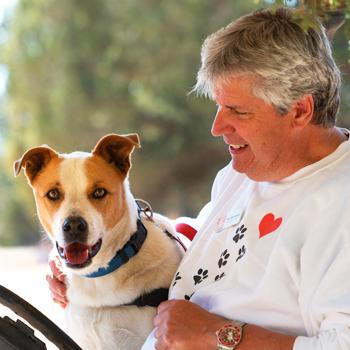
130, 249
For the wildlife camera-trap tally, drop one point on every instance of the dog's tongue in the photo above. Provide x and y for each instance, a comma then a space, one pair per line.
77, 253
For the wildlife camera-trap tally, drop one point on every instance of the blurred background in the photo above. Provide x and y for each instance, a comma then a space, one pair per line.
72, 71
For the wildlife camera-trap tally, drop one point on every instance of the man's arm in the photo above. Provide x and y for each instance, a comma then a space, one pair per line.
182, 325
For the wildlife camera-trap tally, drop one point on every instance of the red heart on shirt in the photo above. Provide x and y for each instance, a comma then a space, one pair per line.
269, 224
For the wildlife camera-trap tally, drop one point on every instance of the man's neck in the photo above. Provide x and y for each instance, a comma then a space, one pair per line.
322, 142
312, 145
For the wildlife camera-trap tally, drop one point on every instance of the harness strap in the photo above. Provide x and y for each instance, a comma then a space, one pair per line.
177, 239
153, 298
145, 208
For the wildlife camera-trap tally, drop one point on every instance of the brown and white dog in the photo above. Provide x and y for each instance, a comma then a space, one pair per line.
119, 263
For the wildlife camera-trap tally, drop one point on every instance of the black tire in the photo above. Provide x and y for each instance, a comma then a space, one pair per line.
18, 336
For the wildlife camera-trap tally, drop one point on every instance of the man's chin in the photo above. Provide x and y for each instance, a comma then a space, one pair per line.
239, 168
252, 174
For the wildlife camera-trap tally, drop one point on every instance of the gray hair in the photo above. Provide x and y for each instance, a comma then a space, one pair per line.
289, 61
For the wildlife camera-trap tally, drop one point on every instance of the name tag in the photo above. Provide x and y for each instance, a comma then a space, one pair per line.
231, 219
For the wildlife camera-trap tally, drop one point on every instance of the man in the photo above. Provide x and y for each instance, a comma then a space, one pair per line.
268, 266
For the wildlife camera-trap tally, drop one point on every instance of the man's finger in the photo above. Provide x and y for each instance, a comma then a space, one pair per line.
56, 287
157, 320
55, 267
164, 305
60, 303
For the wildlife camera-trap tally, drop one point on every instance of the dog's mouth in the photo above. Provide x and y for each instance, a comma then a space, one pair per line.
78, 255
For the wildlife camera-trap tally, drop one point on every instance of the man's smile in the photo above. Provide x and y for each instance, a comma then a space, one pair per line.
237, 149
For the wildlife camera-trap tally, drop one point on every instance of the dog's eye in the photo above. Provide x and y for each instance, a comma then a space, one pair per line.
99, 193
53, 194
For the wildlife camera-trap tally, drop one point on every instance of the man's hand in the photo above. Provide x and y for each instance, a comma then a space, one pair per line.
57, 282
182, 325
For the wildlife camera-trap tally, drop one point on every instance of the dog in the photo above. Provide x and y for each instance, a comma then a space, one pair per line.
119, 260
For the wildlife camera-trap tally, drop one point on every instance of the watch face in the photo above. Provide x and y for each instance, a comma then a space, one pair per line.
229, 335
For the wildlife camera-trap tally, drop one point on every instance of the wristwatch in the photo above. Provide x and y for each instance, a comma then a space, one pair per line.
229, 335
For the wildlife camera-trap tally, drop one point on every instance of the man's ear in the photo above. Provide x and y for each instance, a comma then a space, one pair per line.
116, 149
33, 161
303, 111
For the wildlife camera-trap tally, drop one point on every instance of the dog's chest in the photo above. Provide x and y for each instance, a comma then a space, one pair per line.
97, 292
96, 321
108, 328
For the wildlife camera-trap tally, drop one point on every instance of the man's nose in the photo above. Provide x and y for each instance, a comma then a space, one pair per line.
220, 125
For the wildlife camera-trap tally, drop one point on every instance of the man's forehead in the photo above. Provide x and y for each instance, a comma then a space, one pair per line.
232, 86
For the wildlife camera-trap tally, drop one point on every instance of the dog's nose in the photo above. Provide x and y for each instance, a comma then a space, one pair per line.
74, 224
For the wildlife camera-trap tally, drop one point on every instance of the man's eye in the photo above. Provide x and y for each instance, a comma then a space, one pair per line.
54, 194
233, 110
99, 193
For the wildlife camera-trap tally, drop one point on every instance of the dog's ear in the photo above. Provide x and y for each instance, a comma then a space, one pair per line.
34, 160
116, 149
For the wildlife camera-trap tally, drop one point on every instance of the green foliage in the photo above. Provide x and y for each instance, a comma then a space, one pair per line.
81, 69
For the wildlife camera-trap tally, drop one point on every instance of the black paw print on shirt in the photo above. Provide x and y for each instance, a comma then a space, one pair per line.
241, 253
201, 275
188, 297
218, 277
239, 233
223, 258
177, 277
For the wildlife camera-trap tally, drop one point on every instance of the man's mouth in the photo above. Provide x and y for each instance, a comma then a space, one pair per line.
237, 148
78, 255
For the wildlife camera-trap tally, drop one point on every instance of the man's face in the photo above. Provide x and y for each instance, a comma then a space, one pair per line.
262, 143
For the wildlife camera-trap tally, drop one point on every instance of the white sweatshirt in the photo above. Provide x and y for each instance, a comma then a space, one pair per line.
277, 255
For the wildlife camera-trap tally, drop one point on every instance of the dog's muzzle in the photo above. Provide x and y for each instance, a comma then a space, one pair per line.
75, 252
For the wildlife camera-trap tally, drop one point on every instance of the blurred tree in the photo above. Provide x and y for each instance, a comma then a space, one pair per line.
81, 69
